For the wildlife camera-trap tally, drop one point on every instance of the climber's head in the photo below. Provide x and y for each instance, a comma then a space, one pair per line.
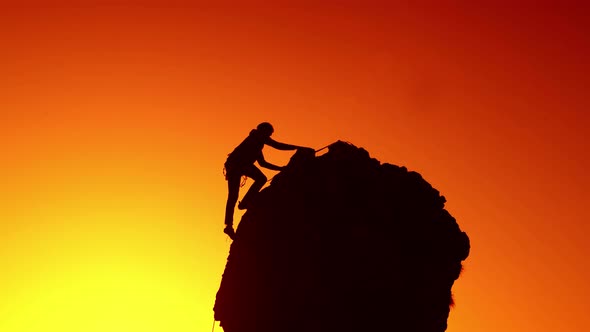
265, 129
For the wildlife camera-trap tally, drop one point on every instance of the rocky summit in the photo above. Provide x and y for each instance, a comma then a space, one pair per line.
342, 242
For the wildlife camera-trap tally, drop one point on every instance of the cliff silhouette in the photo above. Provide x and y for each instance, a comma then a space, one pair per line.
341, 242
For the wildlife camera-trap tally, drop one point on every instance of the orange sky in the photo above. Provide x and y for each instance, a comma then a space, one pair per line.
117, 117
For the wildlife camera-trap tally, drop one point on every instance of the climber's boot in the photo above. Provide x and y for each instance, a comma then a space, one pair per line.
229, 230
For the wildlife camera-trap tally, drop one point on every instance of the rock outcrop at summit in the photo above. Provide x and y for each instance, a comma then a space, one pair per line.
341, 242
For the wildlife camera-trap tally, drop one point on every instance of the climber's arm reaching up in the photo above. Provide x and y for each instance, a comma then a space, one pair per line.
281, 146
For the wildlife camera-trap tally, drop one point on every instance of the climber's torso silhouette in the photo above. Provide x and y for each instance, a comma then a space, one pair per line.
249, 151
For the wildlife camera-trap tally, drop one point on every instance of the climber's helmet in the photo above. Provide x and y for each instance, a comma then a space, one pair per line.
265, 129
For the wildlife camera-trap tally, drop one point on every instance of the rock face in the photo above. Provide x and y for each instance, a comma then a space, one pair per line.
341, 242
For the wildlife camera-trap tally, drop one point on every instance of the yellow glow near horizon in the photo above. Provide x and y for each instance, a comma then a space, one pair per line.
97, 255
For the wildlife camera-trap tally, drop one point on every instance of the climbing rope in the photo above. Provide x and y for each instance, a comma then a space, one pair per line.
327, 146
244, 178
322, 148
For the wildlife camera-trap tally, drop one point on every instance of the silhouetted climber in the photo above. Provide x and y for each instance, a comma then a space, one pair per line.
241, 162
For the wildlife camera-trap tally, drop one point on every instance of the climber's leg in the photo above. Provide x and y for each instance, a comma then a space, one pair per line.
259, 180
233, 186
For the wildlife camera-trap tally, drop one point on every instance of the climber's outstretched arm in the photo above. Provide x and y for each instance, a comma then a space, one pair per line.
281, 146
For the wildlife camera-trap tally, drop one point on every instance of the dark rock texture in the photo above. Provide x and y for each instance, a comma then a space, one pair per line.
341, 242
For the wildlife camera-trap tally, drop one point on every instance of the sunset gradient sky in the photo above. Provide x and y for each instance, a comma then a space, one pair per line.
116, 118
